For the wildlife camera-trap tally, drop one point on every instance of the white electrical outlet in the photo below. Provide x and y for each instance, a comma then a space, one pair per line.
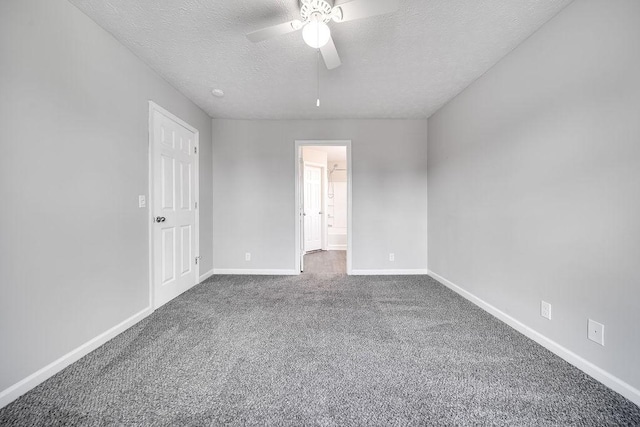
545, 309
247, 256
392, 257
142, 201
596, 332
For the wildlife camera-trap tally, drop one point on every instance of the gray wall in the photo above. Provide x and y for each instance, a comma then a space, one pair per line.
254, 191
73, 243
534, 183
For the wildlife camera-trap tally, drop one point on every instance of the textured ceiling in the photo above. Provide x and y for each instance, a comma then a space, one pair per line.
402, 65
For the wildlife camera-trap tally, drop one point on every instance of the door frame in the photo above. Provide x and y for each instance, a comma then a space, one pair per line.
323, 202
298, 208
153, 107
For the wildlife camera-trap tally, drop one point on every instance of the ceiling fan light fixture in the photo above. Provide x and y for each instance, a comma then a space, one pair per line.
316, 34
314, 17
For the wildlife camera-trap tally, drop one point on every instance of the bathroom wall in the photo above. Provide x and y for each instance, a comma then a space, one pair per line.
337, 205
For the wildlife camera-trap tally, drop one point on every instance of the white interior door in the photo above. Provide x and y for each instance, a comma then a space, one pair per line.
312, 208
174, 241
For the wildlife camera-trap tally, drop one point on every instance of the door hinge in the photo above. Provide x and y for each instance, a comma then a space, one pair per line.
197, 259
196, 205
195, 150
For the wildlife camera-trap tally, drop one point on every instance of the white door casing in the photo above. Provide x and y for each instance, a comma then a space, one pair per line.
312, 208
174, 196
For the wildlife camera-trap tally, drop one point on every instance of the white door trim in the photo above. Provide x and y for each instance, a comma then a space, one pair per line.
153, 107
297, 146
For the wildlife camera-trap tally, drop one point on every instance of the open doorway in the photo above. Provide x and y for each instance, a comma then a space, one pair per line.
323, 207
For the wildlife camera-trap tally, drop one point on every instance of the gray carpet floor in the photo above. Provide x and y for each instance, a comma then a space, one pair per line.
320, 349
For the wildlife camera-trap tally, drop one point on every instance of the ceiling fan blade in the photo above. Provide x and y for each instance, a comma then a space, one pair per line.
330, 55
276, 30
358, 9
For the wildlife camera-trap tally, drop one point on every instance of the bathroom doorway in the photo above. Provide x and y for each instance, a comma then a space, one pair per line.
323, 206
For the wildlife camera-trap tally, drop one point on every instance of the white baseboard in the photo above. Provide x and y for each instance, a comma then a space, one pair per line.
261, 272
205, 276
606, 378
21, 387
399, 272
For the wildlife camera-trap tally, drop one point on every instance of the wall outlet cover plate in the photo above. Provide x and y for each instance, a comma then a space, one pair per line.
596, 332
545, 309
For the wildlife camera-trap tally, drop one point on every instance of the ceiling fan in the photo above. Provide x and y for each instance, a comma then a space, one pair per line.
315, 14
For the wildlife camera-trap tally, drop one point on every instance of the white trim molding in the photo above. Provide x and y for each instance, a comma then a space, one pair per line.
206, 275
599, 374
337, 247
21, 387
257, 272
397, 272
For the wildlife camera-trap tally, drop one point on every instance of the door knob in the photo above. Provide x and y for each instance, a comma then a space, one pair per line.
320, 213
160, 219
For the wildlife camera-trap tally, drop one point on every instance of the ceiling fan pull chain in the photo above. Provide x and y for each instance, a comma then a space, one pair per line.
318, 74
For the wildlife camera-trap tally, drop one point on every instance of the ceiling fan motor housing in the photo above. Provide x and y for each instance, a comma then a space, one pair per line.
321, 8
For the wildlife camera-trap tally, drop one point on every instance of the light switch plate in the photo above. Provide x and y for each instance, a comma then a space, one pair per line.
142, 201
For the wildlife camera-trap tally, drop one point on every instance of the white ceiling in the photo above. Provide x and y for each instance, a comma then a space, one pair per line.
402, 65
